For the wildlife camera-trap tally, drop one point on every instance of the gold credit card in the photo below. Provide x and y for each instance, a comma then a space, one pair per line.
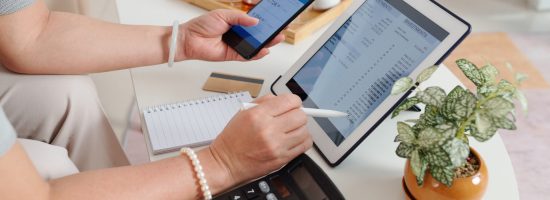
226, 83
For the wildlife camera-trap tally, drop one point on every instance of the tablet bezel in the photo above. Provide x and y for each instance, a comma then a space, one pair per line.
458, 29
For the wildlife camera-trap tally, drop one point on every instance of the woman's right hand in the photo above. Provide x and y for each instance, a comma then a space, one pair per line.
263, 138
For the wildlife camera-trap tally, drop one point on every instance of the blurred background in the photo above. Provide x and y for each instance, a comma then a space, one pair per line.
504, 31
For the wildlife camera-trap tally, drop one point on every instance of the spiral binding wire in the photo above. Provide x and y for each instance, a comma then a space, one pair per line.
196, 101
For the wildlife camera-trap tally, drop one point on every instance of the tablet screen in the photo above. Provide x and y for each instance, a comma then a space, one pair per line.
355, 69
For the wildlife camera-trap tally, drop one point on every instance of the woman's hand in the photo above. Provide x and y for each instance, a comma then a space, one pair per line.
262, 139
201, 38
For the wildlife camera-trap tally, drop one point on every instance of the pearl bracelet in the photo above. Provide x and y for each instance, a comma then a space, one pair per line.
198, 171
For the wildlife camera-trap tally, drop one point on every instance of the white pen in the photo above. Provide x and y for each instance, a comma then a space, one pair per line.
309, 111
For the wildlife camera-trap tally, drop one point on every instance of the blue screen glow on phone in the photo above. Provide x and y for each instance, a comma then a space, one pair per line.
272, 15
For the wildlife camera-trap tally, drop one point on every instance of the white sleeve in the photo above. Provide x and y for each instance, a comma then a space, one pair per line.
7, 134
11, 6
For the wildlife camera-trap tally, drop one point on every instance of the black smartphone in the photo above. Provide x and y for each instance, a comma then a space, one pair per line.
274, 15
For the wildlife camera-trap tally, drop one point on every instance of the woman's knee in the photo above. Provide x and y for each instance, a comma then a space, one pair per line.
42, 103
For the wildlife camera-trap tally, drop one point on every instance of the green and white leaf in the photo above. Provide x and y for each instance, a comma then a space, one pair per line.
466, 104
420, 179
414, 121
402, 85
459, 104
438, 157
447, 131
406, 104
520, 77
471, 71
522, 100
404, 150
406, 133
509, 67
444, 175
497, 107
489, 73
483, 122
486, 89
482, 136
505, 87
458, 151
428, 137
428, 118
426, 74
416, 163
432, 96
503, 122
450, 102
418, 166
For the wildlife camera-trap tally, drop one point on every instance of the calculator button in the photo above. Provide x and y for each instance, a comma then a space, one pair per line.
251, 192
237, 196
271, 196
264, 187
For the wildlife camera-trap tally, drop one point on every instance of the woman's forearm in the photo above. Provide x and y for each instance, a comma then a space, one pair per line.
95, 46
172, 178
64, 43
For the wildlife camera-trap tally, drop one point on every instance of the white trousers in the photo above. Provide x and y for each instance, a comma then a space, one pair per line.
63, 111
50, 161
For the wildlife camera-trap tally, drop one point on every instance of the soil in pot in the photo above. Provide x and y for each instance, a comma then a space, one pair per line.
469, 169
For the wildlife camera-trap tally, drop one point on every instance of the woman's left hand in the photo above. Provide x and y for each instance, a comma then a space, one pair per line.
201, 38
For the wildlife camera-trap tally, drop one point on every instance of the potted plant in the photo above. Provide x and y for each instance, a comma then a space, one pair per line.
440, 162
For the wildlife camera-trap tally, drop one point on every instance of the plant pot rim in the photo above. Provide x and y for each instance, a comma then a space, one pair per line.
466, 185
408, 194
477, 155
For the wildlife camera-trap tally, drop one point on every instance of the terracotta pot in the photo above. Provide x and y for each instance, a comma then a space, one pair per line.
469, 188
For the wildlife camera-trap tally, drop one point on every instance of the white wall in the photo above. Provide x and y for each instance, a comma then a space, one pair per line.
540, 4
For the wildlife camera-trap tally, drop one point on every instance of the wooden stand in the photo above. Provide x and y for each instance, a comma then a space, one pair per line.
304, 25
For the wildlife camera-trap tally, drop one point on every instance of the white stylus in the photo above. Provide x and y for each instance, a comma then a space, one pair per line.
309, 111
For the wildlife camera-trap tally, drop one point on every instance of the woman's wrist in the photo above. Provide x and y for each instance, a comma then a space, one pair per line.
180, 50
217, 174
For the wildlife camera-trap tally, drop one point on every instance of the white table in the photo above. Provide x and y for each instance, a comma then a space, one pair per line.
372, 171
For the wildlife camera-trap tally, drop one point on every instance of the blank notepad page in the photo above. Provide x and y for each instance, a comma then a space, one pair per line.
191, 123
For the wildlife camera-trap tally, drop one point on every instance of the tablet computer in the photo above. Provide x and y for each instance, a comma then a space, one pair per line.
353, 65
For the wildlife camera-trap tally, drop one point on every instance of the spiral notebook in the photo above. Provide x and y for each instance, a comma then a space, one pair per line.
191, 123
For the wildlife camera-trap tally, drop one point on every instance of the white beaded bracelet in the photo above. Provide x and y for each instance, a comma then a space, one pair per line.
198, 170
173, 43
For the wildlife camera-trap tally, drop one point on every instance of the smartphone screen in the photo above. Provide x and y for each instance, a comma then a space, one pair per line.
274, 15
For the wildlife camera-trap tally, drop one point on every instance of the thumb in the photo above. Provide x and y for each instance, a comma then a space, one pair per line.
234, 17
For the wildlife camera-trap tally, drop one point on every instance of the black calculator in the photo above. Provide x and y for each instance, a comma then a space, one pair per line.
301, 179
